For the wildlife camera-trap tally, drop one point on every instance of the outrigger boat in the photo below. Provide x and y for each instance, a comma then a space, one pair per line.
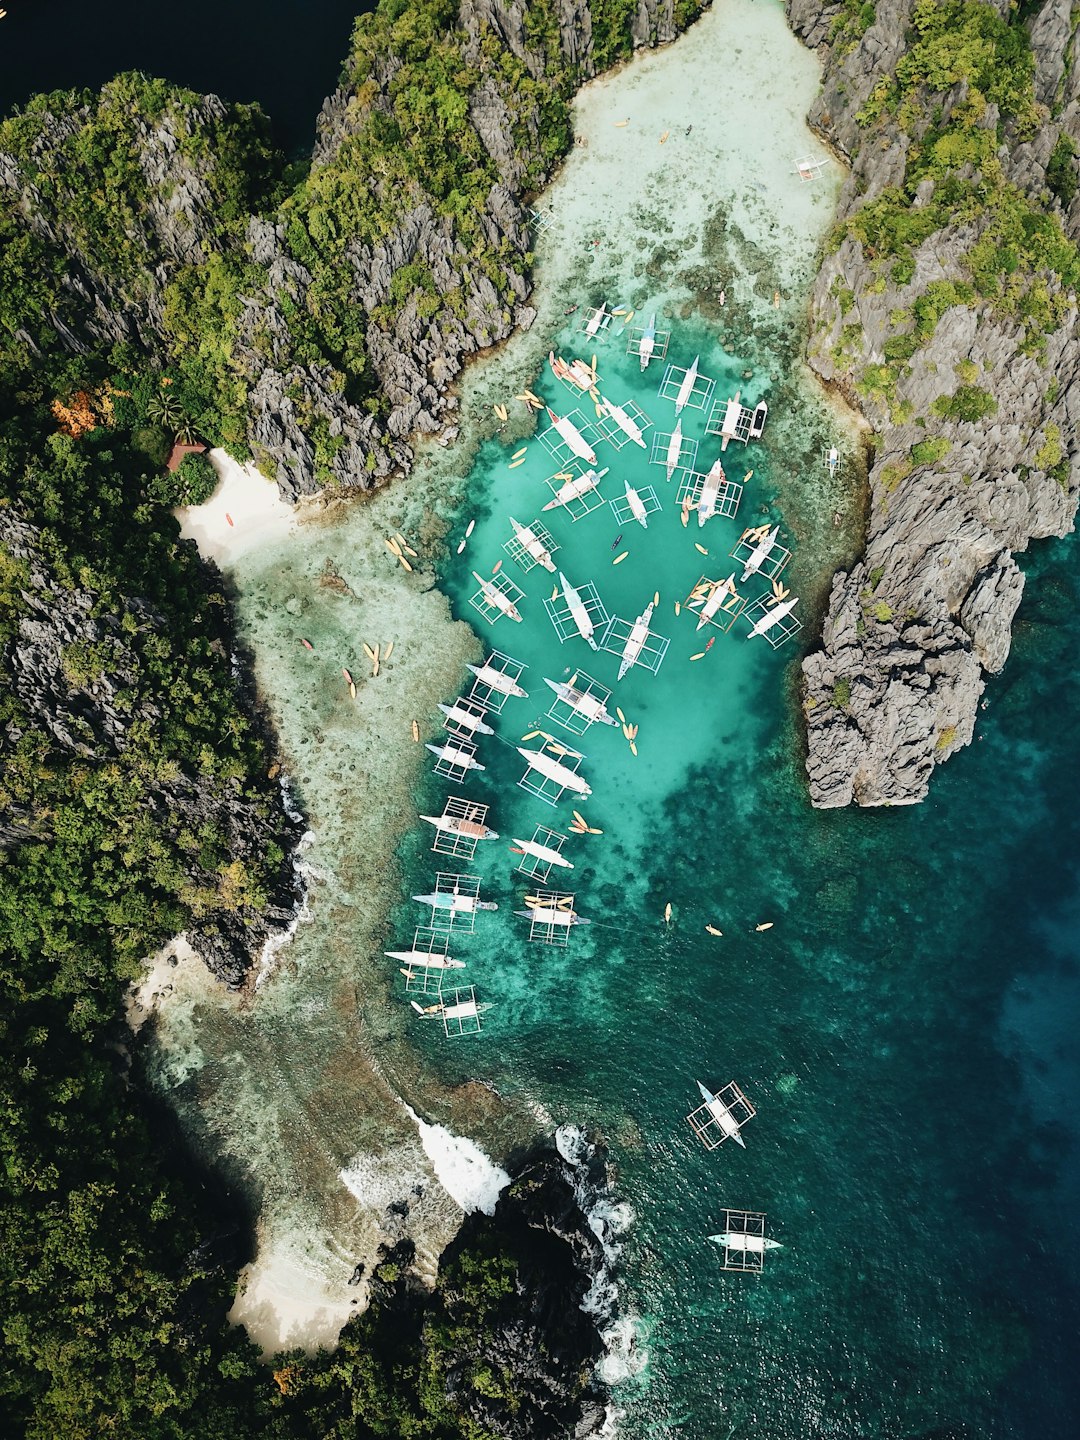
635, 640
457, 904
466, 719
637, 506
686, 389
533, 545
748, 1244
760, 552
626, 423
552, 915
717, 595
674, 449
426, 959
577, 487
710, 490
578, 613
555, 771
454, 756
494, 596
832, 460
581, 701
458, 825
773, 617
596, 320
498, 680
543, 852
578, 372
722, 1115
648, 343
579, 446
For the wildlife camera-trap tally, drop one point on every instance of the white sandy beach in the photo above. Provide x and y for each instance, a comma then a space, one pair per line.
244, 513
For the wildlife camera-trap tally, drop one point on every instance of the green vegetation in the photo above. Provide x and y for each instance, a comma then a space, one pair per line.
930, 451
968, 403
841, 693
1061, 173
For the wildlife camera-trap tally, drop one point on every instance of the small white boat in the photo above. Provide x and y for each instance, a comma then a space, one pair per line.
555, 771
457, 825
648, 343
543, 852
832, 460
710, 490
578, 613
533, 545
686, 389
674, 449
596, 320
577, 487
747, 1244
637, 506
466, 719
425, 959
455, 903
494, 596
626, 423
580, 700
773, 616
722, 1115
579, 446
454, 756
760, 553
715, 598
635, 640
498, 680
757, 422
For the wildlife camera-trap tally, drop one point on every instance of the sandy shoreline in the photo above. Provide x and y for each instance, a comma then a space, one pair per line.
244, 513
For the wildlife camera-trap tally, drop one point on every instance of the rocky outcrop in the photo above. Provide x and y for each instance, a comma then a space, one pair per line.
912, 629
78, 677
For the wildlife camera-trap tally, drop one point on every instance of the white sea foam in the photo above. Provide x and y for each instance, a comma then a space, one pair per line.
466, 1174
375, 1181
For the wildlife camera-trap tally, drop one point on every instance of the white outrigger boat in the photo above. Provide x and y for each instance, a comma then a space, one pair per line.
648, 343
577, 487
498, 680
453, 755
710, 490
426, 959
578, 613
717, 595
555, 771
586, 704
552, 915
626, 423
773, 617
461, 825
637, 506
543, 852
467, 719
577, 443
686, 389
456, 903
760, 552
596, 320
674, 449
747, 1244
533, 545
635, 640
726, 1121
494, 596
832, 460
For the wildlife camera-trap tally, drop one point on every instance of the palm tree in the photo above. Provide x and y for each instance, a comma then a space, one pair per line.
163, 410
185, 433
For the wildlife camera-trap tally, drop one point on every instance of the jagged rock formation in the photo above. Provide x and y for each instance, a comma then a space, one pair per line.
77, 675
913, 627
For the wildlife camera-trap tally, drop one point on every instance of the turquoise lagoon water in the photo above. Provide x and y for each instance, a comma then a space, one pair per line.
891, 1026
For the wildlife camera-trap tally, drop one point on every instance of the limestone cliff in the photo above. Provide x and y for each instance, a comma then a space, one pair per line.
958, 342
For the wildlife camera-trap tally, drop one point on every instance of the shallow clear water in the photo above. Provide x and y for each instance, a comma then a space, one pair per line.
903, 1028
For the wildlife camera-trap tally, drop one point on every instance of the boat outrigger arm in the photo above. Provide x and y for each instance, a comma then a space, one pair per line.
722, 1115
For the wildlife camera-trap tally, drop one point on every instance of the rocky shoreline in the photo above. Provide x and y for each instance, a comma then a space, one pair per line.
916, 625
